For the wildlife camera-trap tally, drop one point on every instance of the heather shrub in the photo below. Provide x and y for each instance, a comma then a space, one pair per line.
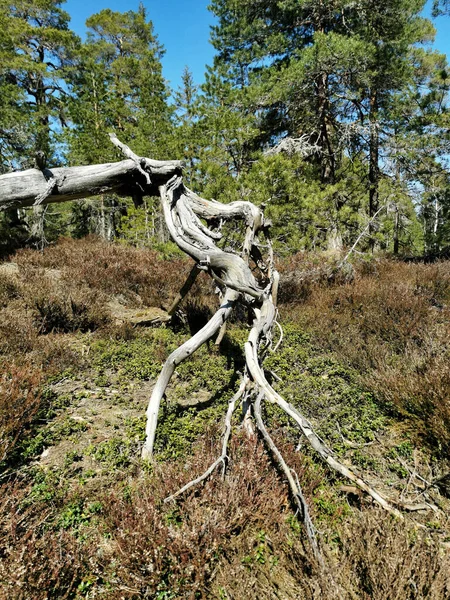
303, 272
60, 304
8, 289
36, 561
138, 275
234, 538
20, 401
179, 549
391, 326
59, 313
18, 335
381, 558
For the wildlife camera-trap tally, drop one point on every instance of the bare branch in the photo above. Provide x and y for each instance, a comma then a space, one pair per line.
296, 491
290, 146
177, 357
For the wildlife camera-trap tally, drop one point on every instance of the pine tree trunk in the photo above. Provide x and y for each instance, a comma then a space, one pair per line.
396, 230
374, 174
328, 159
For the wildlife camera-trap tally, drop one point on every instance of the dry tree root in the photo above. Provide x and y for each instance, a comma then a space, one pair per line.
180, 354
183, 211
294, 485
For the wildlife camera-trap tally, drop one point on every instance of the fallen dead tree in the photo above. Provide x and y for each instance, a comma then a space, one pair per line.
191, 222
125, 178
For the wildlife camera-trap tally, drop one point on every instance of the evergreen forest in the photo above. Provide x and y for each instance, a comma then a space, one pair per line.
332, 114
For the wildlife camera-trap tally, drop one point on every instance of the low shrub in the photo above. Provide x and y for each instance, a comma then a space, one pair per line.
137, 275
35, 561
61, 314
20, 401
233, 538
391, 325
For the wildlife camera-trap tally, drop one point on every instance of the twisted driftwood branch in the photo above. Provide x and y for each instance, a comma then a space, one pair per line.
185, 213
223, 458
296, 491
33, 186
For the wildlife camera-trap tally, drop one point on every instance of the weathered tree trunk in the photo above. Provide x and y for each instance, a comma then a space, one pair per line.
36, 222
33, 187
183, 213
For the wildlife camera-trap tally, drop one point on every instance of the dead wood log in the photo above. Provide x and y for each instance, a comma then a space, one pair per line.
124, 178
185, 214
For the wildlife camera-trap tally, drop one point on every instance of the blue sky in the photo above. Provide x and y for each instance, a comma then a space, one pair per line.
183, 27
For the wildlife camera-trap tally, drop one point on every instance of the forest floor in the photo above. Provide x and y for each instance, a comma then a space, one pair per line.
366, 357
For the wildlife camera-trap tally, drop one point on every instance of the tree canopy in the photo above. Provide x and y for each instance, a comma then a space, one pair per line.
333, 114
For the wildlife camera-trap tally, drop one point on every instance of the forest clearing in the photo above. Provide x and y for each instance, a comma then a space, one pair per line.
224, 309
367, 360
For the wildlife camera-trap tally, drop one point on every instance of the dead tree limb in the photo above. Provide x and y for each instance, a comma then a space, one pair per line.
177, 357
186, 288
296, 491
187, 217
26, 188
261, 326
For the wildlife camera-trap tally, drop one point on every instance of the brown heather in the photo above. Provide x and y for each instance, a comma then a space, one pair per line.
233, 539
230, 539
390, 323
20, 400
139, 276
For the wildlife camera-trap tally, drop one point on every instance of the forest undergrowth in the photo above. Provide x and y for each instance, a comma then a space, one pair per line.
365, 354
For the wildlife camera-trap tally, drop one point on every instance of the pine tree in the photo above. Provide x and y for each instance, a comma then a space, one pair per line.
389, 34
286, 64
328, 75
441, 7
120, 88
187, 143
38, 51
422, 148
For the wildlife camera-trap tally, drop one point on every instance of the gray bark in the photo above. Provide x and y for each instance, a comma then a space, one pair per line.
36, 226
124, 178
183, 212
